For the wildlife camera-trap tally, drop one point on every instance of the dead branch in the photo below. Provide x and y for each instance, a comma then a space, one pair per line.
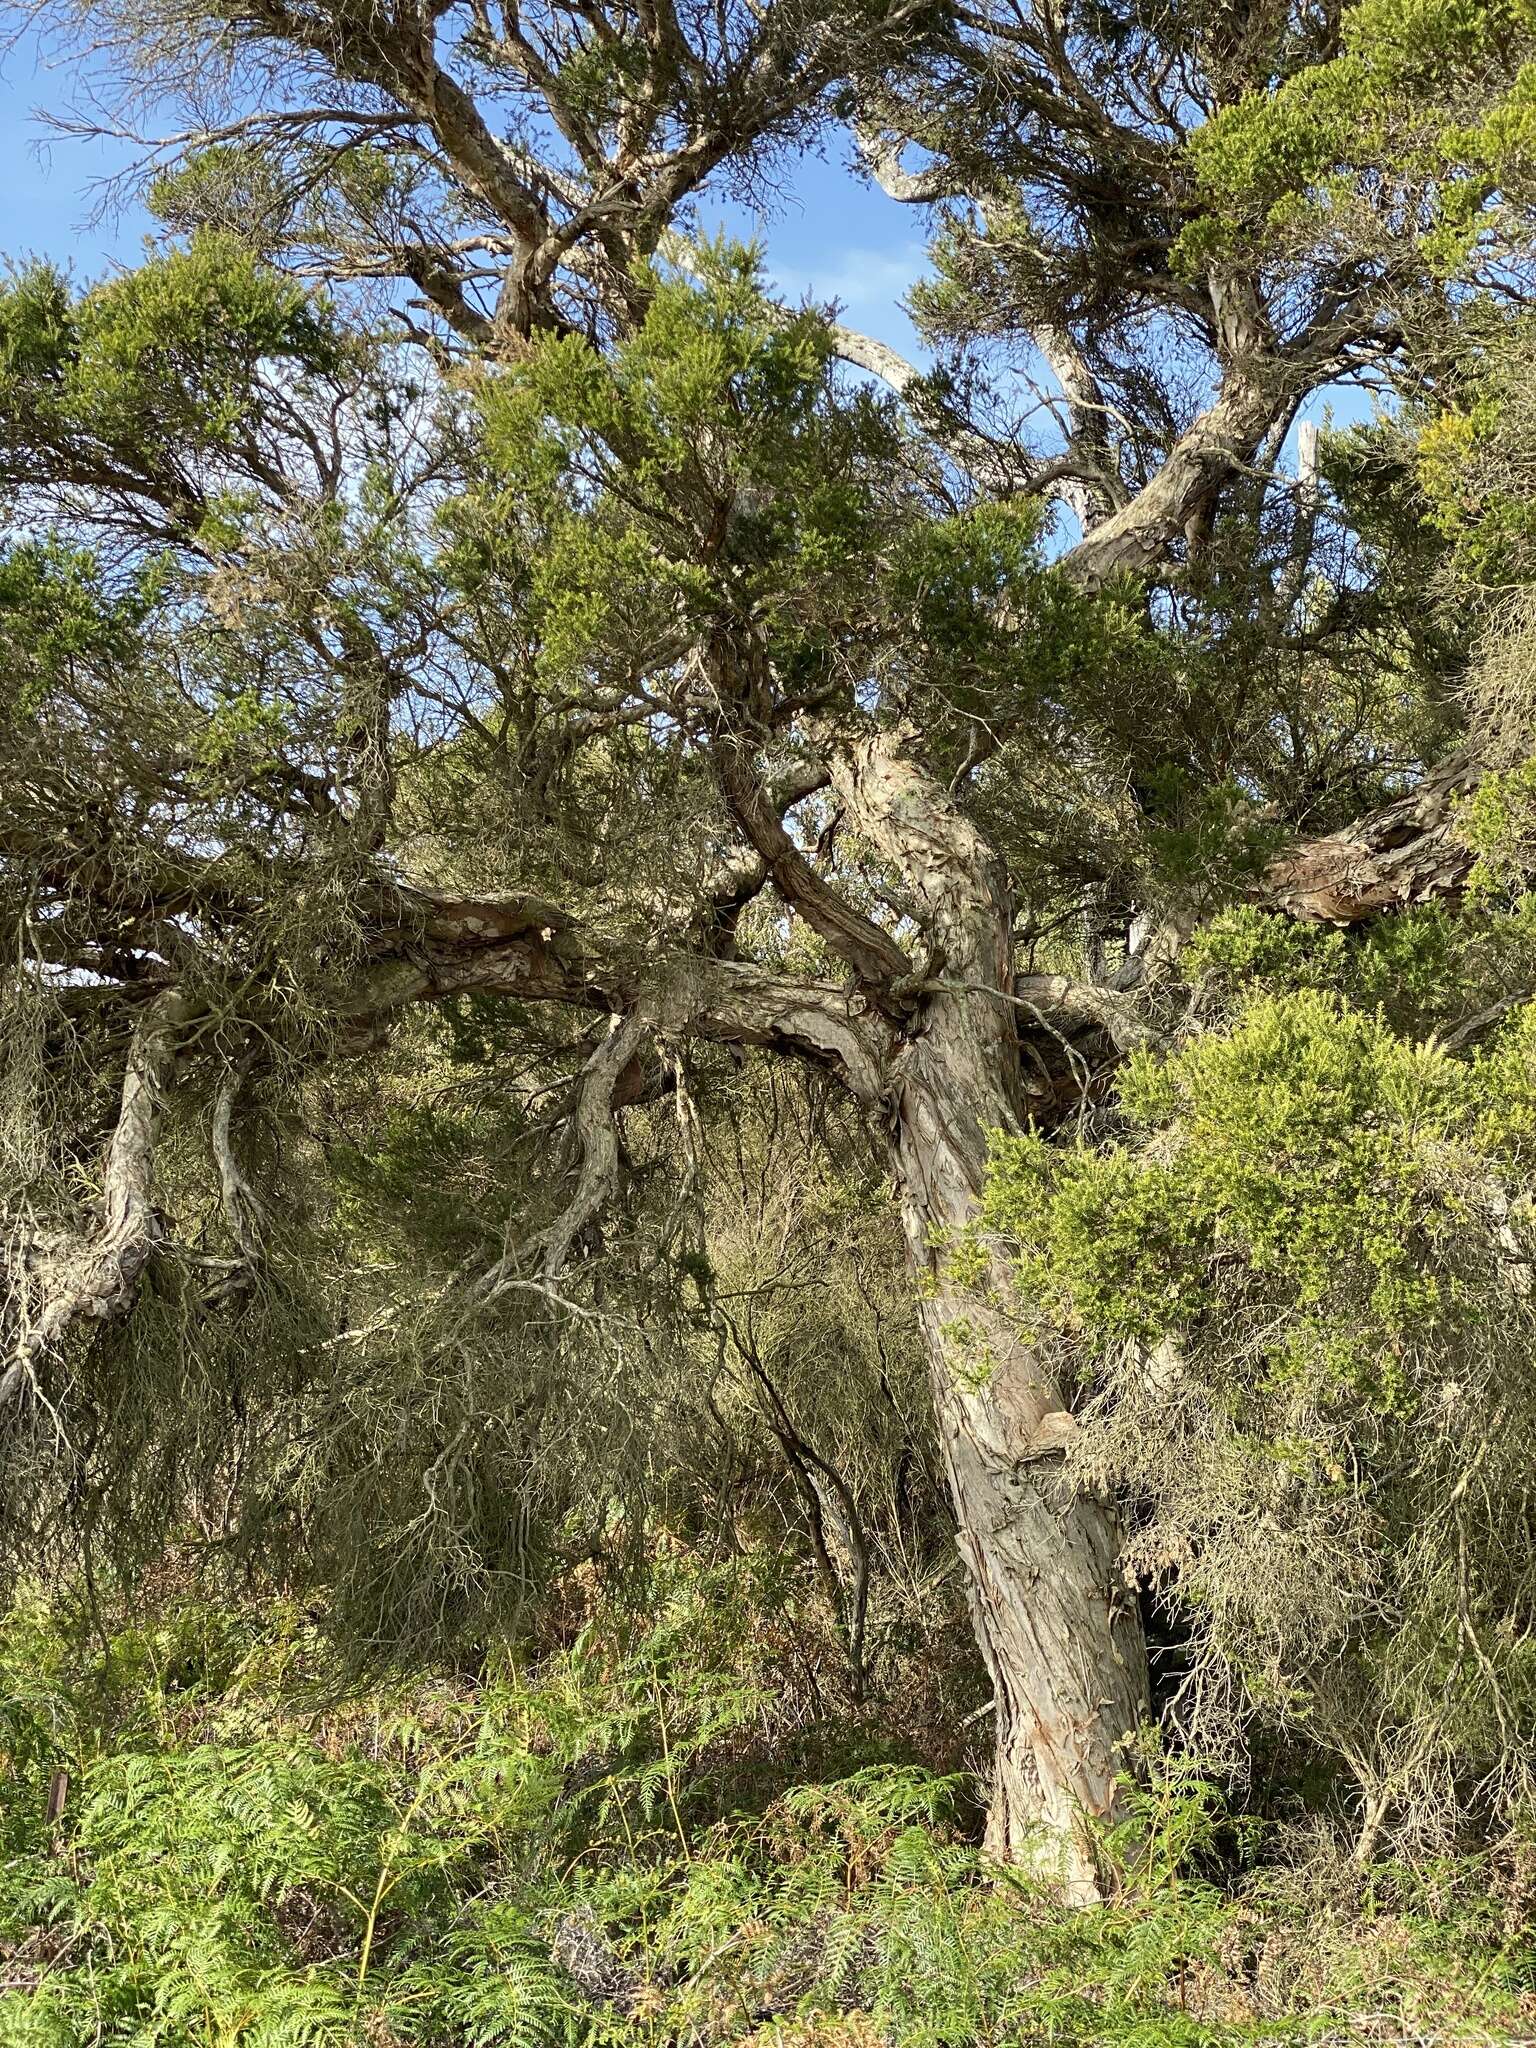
243, 1213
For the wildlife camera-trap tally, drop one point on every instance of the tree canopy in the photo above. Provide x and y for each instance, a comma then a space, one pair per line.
625, 912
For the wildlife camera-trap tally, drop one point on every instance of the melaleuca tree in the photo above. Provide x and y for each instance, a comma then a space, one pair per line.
547, 635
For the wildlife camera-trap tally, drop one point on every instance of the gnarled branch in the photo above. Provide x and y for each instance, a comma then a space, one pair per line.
438, 945
596, 1139
872, 953
1403, 853
95, 1278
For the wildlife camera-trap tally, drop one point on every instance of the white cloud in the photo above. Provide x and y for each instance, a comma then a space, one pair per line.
860, 280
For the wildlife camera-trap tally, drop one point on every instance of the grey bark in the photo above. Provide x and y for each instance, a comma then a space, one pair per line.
1060, 1638
95, 1277
1406, 852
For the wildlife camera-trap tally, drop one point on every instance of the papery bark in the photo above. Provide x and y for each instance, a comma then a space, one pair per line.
95, 1278
1058, 1630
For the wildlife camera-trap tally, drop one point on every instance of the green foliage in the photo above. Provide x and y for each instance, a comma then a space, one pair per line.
708, 468
1429, 98
340, 668
539, 1858
1424, 971
126, 375
715, 475
1499, 823
237, 1872
1304, 1134
58, 612
1470, 449
1414, 967
1296, 1289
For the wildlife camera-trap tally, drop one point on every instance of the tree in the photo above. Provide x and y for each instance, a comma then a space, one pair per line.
545, 627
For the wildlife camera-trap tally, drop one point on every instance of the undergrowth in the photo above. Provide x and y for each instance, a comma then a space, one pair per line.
206, 1838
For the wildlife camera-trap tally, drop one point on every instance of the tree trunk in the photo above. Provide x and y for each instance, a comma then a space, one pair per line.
95, 1278
1061, 1638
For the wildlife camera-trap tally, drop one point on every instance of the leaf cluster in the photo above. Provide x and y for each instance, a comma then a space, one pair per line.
1296, 1291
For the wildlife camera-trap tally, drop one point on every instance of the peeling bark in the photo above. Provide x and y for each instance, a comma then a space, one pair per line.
1060, 1639
872, 954
1133, 540
242, 1211
1059, 1634
439, 946
1405, 852
95, 1279
597, 1143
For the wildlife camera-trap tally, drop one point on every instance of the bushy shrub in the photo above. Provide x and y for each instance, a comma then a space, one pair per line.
1297, 1294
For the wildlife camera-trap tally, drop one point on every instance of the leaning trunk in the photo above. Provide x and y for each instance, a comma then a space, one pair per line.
1057, 1627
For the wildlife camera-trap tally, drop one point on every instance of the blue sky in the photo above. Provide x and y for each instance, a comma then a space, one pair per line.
833, 236
45, 201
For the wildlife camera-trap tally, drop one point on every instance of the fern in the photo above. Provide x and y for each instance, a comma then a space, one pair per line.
249, 1863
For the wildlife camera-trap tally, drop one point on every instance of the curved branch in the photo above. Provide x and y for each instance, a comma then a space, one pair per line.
881, 157
1219, 443
872, 954
968, 449
741, 875
95, 1279
1092, 494
440, 945
242, 1212
596, 1138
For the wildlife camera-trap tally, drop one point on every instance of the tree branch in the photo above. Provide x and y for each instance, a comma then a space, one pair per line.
95, 1279
437, 945
1221, 441
982, 461
242, 1212
872, 954
596, 1139
1405, 852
